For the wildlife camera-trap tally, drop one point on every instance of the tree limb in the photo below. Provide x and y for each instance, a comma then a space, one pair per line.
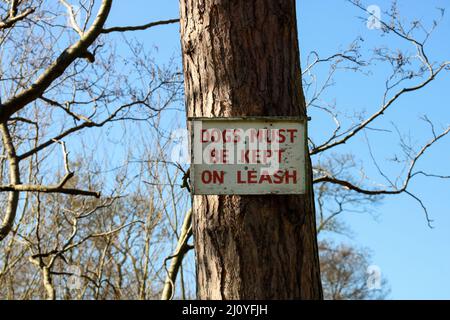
177, 258
58, 67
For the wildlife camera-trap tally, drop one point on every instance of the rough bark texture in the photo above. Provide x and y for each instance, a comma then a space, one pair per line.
241, 58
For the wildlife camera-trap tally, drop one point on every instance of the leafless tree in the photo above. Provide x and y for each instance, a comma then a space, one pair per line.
84, 85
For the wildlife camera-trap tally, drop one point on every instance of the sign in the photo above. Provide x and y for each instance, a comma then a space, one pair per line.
248, 156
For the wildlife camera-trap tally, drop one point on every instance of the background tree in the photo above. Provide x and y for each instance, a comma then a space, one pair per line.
249, 247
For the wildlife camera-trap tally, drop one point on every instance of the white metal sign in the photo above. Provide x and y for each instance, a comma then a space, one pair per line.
248, 156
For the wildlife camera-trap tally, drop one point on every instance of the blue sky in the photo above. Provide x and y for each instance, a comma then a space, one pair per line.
414, 258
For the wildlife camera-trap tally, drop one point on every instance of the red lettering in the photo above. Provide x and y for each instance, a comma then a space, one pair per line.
279, 177
214, 177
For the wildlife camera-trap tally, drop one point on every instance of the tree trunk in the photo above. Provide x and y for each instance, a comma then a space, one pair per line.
241, 58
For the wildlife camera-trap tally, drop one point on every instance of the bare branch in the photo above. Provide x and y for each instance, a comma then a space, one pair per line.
403, 189
58, 67
142, 27
398, 62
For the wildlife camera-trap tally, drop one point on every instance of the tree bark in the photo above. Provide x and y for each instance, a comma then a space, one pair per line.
241, 58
